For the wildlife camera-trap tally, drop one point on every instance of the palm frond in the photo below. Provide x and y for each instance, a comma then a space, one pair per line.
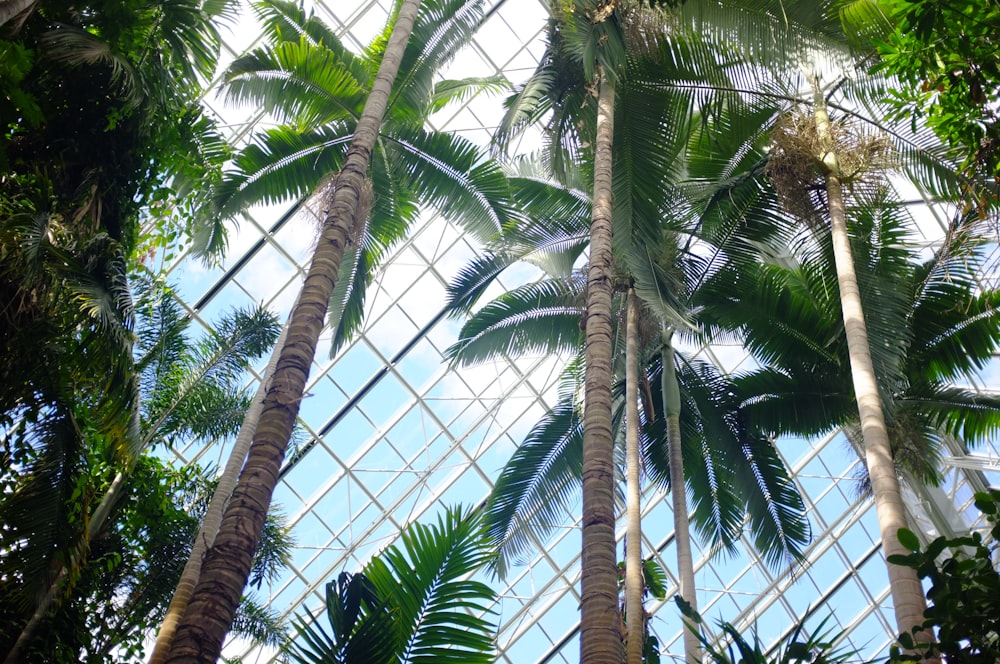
287, 21
204, 380
552, 236
969, 415
450, 91
955, 325
542, 316
187, 34
36, 504
442, 28
298, 83
282, 164
803, 400
537, 484
453, 176
76, 47
776, 511
444, 615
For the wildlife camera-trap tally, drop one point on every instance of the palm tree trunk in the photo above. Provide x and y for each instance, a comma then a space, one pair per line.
678, 494
600, 624
635, 616
213, 515
226, 568
907, 592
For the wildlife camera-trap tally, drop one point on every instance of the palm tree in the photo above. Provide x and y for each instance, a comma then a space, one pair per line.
472, 187
925, 162
927, 325
316, 88
633, 614
411, 603
588, 52
907, 591
214, 513
586, 58
538, 482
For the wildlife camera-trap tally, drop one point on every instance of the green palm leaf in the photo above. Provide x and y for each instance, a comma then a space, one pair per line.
288, 21
733, 472
414, 602
450, 174
539, 317
441, 29
537, 484
281, 164
449, 91
297, 82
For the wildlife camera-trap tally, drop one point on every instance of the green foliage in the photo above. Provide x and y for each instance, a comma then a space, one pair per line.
101, 112
930, 326
412, 603
964, 594
113, 573
654, 584
799, 646
947, 57
119, 596
541, 479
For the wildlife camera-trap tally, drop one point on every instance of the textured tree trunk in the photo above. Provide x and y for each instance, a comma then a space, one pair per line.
907, 592
635, 616
213, 516
201, 633
600, 623
678, 493
15, 11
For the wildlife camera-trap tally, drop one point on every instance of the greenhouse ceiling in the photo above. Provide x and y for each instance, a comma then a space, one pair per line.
391, 432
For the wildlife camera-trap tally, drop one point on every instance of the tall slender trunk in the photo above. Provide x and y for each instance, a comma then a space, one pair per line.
200, 636
678, 493
600, 624
213, 515
635, 616
907, 592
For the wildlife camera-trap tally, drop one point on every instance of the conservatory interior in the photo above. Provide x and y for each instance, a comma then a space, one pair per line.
645, 188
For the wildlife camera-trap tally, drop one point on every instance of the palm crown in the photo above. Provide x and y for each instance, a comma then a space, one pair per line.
316, 89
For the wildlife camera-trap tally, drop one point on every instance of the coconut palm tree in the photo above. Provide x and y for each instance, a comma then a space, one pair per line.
316, 88
411, 603
214, 513
907, 591
925, 162
588, 52
930, 320
459, 183
633, 612
586, 58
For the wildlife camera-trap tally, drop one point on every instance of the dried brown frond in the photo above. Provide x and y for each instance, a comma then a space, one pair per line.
797, 169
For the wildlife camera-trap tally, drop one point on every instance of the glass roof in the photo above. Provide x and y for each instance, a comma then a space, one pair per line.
390, 433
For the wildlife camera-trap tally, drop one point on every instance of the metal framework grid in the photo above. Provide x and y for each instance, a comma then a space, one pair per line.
391, 433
